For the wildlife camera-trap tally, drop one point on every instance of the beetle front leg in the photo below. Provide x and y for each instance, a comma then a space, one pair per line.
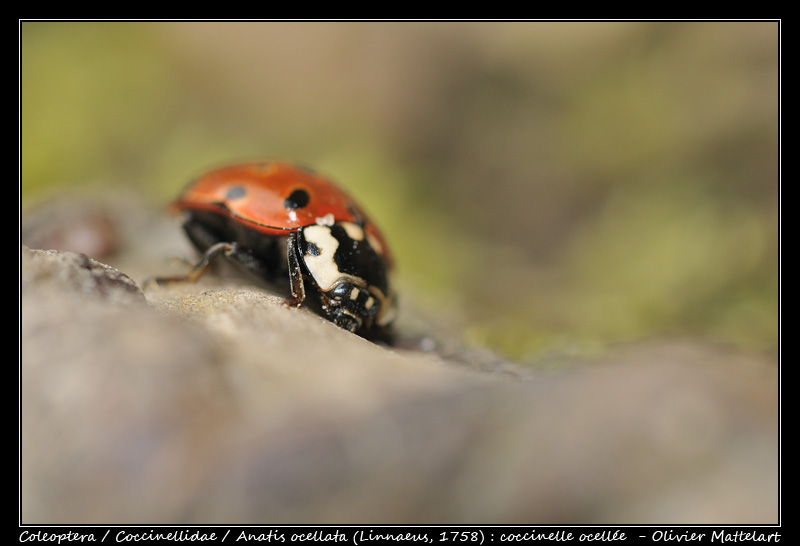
295, 273
211, 254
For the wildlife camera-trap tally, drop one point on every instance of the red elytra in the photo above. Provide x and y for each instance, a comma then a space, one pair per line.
261, 206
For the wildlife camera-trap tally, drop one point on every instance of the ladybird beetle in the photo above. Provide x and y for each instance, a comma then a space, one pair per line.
284, 222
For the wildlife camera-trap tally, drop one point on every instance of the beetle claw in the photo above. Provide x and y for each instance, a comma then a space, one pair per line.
292, 303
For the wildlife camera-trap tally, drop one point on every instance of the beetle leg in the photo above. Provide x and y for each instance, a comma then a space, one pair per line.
211, 254
295, 273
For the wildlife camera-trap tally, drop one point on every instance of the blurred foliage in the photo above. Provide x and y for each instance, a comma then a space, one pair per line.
545, 186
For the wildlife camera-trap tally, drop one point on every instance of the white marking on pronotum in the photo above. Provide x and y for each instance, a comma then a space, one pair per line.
326, 220
375, 243
354, 293
353, 231
323, 267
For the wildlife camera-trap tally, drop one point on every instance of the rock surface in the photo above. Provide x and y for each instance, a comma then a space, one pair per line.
211, 403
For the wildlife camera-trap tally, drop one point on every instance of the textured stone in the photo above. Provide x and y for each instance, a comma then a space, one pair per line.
212, 403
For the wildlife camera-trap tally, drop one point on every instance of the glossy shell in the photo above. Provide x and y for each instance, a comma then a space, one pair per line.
263, 196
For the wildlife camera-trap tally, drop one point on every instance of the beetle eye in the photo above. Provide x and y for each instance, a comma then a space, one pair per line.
297, 200
235, 192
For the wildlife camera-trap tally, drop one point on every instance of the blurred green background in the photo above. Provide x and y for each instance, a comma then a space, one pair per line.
546, 186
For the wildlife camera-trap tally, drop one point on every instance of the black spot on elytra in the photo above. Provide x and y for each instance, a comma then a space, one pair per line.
235, 192
297, 200
357, 219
